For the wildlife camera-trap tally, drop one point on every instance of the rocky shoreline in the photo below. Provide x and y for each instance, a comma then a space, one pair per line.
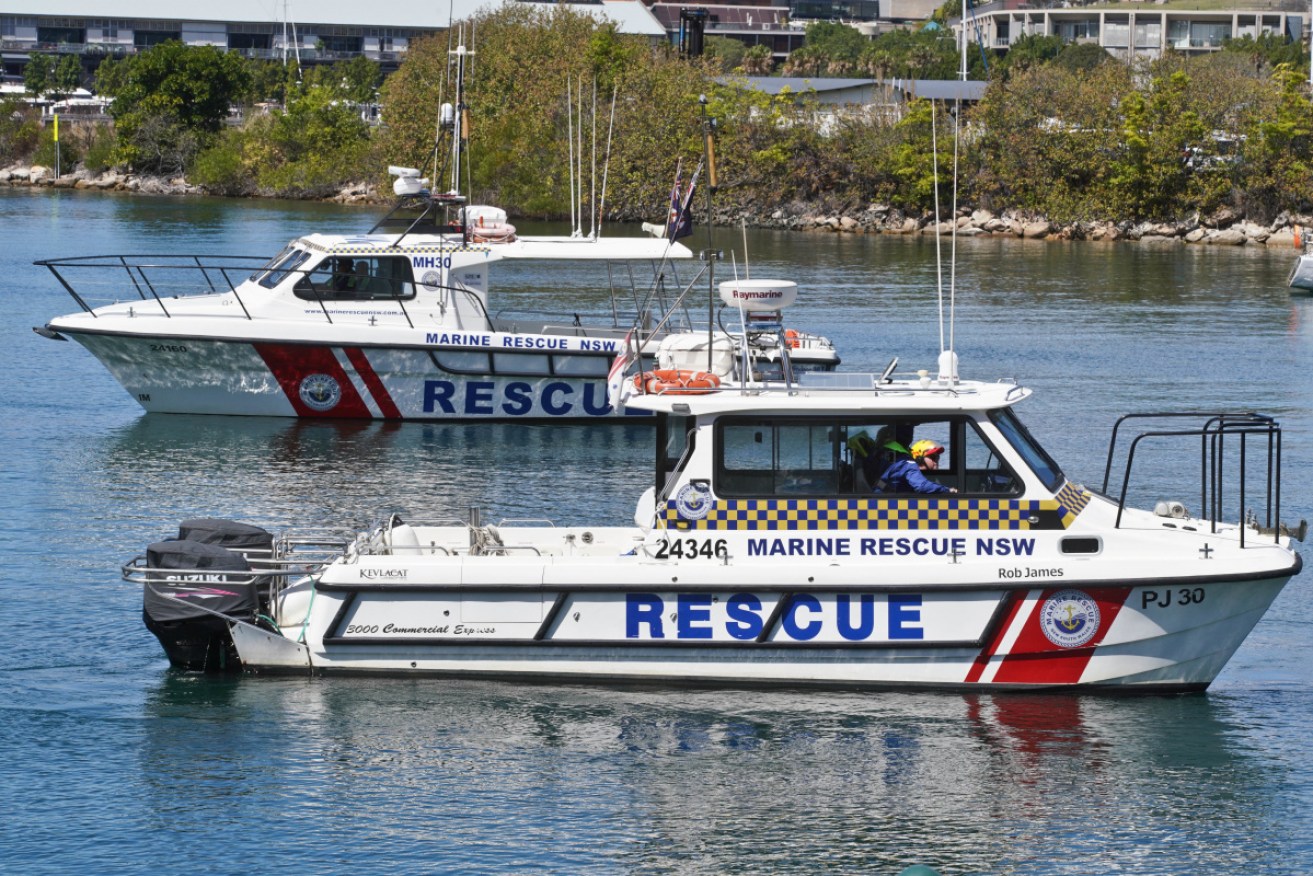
113, 181
1223, 228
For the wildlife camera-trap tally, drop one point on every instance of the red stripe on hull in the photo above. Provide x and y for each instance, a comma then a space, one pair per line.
375, 386
293, 364
1035, 659
1015, 599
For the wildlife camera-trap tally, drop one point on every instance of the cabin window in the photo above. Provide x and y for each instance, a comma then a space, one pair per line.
848, 457
674, 438
463, 361
284, 263
523, 364
581, 366
535, 364
778, 458
357, 278
1020, 438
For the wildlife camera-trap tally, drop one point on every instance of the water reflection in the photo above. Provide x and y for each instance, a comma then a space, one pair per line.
559, 778
316, 472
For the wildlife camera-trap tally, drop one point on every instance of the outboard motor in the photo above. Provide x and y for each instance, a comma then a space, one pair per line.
190, 579
230, 534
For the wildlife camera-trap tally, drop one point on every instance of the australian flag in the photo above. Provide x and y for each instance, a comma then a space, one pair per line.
680, 223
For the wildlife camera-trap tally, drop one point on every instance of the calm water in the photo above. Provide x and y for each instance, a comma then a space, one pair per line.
114, 764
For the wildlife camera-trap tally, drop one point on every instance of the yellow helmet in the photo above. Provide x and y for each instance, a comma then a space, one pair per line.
926, 447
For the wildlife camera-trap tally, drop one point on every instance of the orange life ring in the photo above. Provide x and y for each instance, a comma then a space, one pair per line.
791, 338
673, 382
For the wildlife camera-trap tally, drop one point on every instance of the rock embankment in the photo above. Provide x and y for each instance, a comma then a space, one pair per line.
1224, 228
110, 180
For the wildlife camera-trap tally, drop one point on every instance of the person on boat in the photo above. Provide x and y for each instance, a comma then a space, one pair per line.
358, 282
344, 275
906, 473
865, 467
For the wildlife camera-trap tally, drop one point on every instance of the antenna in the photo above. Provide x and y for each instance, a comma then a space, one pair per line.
569, 134
606, 163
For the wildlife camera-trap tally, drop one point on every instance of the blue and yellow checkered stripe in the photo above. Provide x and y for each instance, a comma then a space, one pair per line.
1072, 499
872, 513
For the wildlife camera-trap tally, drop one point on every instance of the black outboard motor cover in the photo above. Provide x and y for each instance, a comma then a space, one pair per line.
170, 597
192, 638
226, 533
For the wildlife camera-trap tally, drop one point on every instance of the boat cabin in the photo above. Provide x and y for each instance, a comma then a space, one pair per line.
818, 458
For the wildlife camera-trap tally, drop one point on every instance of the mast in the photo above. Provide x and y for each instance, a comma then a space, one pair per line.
461, 121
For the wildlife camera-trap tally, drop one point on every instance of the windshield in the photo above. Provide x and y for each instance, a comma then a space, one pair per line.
273, 273
1020, 438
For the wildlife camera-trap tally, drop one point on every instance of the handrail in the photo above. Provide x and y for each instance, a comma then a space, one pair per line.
138, 268
1216, 427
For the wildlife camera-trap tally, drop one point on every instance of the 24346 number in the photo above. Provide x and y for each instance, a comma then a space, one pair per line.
690, 548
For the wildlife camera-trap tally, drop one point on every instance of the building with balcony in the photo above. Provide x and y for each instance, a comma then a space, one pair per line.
1130, 30
780, 25
323, 32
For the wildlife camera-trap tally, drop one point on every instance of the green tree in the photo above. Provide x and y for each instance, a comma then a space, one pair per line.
929, 53
1268, 51
725, 52
758, 61
914, 160
110, 77
19, 130
38, 73
835, 40
1047, 141
1081, 56
1278, 143
519, 143
1030, 50
1154, 173
173, 100
358, 79
66, 77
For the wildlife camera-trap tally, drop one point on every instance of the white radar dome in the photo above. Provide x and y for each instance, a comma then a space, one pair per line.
759, 294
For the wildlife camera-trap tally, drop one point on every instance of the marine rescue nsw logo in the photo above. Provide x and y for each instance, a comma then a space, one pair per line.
320, 392
693, 501
1069, 618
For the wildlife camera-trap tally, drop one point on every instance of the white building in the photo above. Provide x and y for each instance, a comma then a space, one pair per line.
1138, 29
327, 30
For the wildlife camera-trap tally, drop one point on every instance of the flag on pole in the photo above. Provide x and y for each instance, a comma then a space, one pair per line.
615, 378
680, 222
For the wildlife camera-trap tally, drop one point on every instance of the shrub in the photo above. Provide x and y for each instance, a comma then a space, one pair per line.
68, 151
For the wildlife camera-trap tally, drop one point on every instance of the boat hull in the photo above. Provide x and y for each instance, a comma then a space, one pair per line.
337, 381
1301, 275
1164, 636
189, 375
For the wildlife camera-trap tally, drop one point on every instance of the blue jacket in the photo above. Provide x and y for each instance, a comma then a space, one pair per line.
904, 476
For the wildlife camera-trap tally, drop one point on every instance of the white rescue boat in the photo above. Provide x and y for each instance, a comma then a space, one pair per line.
772, 549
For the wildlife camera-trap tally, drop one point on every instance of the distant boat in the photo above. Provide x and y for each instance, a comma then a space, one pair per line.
1301, 275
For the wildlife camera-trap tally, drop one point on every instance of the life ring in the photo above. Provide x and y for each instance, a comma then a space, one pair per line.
672, 382
492, 232
791, 338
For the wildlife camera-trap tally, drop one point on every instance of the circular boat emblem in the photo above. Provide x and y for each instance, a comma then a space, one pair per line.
431, 280
1069, 618
320, 392
693, 501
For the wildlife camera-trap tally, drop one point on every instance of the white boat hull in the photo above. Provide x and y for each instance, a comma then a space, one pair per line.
189, 375
1301, 275
278, 379
1164, 636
